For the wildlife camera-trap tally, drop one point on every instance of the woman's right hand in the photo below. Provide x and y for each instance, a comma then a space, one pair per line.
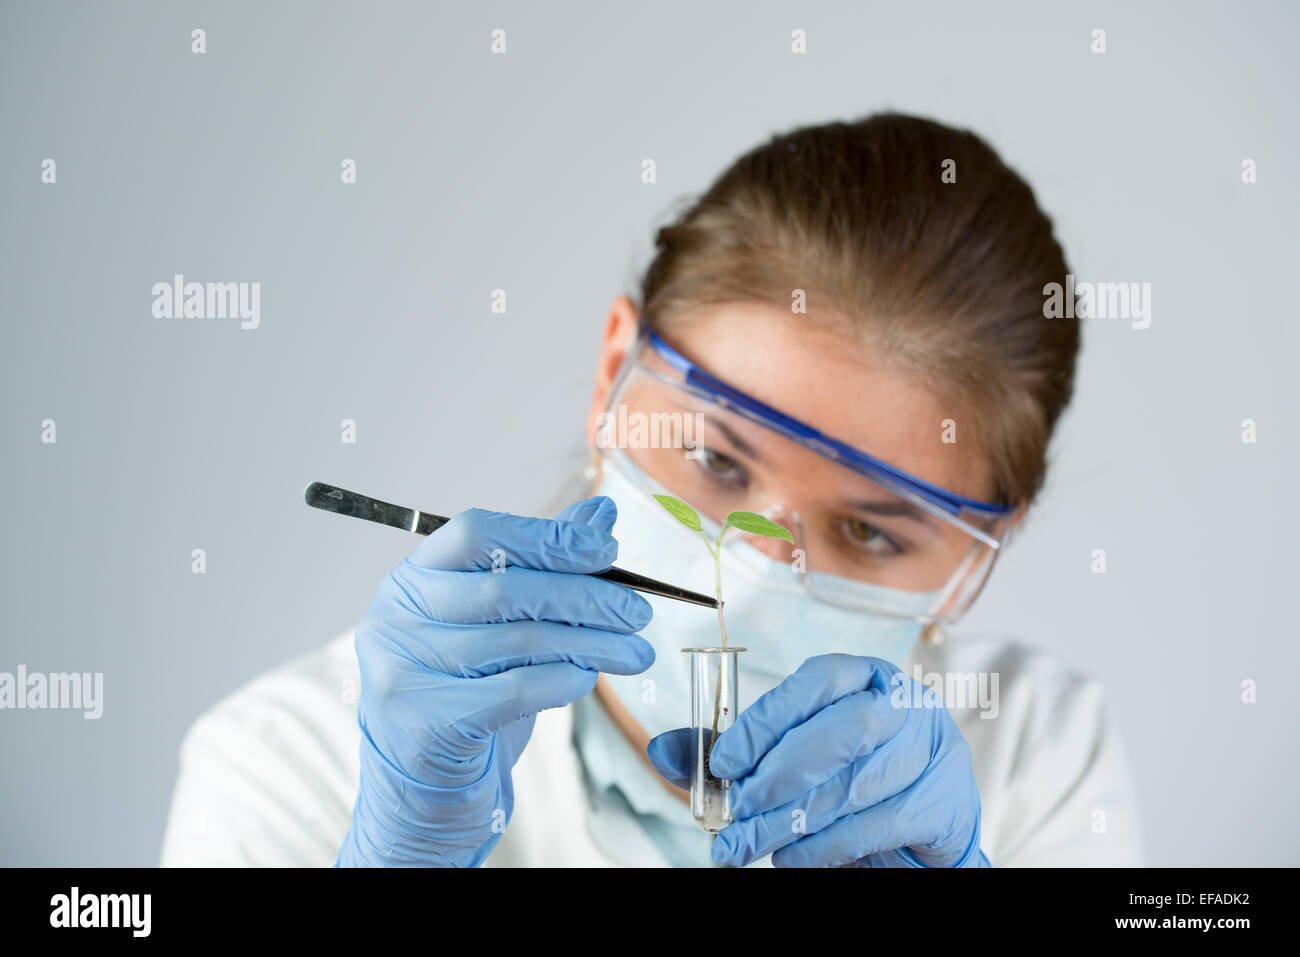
489, 621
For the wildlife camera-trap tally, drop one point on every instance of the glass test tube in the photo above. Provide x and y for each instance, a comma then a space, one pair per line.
713, 710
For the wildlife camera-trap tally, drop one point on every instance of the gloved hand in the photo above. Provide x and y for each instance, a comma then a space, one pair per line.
838, 767
457, 659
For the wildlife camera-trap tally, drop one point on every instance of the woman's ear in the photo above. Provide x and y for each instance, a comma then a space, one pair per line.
620, 328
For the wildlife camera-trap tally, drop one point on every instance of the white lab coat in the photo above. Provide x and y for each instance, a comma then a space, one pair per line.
268, 776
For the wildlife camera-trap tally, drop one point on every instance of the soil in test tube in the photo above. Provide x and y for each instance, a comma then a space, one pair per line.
714, 789
711, 782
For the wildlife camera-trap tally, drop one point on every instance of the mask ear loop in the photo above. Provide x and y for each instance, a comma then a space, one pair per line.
934, 634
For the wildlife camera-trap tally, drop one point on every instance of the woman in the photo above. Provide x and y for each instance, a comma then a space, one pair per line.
846, 334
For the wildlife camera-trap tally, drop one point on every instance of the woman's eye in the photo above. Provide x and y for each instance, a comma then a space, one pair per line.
721, 466
865, 535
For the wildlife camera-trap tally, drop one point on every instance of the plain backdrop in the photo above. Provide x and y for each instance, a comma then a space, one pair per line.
522, 172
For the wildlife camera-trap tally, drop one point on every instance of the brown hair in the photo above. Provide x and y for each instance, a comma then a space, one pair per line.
944, 277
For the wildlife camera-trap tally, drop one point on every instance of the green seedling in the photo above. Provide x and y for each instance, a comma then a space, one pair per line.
749, 522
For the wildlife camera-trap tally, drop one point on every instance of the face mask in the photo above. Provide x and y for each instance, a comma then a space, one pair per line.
768, 611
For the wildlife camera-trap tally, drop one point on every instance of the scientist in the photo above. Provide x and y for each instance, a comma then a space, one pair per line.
853, 316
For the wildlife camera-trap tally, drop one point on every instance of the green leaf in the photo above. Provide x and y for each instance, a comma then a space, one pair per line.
680, 511
755, 524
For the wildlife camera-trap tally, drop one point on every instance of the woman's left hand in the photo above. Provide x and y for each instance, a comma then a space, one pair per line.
847, 763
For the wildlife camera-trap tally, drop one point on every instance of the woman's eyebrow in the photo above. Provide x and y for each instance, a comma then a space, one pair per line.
740, 445
894, 508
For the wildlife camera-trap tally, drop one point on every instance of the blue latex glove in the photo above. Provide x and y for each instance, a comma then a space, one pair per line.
837, 767
457, 659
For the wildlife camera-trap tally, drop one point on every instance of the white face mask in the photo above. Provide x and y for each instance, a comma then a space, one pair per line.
768, 610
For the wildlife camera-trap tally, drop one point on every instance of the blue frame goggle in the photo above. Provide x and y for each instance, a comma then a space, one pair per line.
924, 494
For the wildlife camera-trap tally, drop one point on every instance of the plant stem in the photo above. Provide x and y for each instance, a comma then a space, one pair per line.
722, 626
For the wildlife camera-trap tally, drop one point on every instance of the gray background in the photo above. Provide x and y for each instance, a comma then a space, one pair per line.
522, 172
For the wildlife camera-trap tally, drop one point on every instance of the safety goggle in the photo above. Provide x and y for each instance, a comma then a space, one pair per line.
867, 534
